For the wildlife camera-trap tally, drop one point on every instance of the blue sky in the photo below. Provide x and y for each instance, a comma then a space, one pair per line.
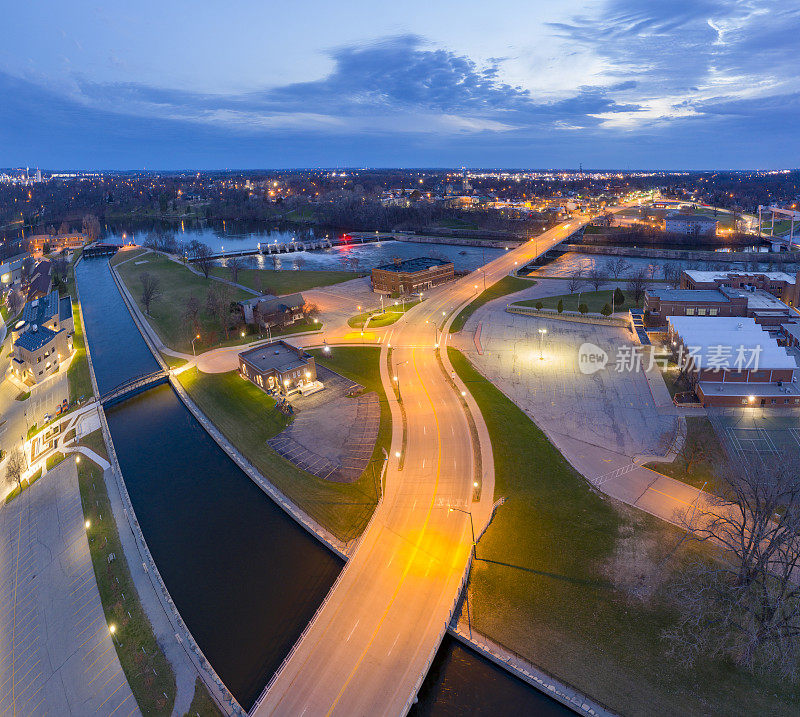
623, 84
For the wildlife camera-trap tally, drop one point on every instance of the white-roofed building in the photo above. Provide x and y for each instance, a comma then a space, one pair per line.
733, 361
778, 283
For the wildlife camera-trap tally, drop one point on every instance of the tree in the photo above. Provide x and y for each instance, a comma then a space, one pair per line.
202, 258
575, 280
64, 228
745, 606
637, 285
218, 304
151, 289
560, 306
618, 267
15, 302
606, 310
60, 267
91, 227
15, 466
235, 265
539, 305
583, 308
595, 278
619, 297
191, 315
310, 311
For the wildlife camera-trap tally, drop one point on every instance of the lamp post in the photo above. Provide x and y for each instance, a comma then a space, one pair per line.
471, 526
193, 340
542, 332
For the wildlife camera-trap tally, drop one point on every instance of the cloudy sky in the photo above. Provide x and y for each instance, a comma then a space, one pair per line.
313, 83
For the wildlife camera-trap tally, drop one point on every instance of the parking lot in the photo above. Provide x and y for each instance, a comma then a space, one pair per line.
56, 651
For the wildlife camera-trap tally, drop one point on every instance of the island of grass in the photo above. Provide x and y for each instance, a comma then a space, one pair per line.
284, 281
578, 583
506, 285
594, 300
147, 670
386, 317
248, 418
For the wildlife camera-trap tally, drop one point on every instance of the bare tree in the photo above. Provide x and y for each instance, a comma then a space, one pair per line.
191, 315
747, 605
15, 466
300, 262
64, 228
618, 267
151, 289
218, 304
15, 302
310, 311
60, 266
91, 227
637, 285
202, 258
575, 280
235, 265
595, 278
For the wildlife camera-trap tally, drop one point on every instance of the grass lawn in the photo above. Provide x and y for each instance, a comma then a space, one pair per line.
557, 580
173, 361
202, 704
23, 485
178, 284
146, 668
247, 417
386, 318
126, 254
54, 460
24, 396
506, 285
285, 281
595, 300
78, 374
701, 452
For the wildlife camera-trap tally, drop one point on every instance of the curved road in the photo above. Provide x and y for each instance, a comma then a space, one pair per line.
370, 644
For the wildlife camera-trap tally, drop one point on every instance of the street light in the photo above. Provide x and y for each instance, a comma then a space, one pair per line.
193, 340
471, 525
542, 332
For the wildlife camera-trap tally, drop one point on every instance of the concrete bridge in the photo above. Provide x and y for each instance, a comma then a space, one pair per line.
132, 386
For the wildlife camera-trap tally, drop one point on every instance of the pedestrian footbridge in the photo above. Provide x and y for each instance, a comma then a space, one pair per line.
132, 386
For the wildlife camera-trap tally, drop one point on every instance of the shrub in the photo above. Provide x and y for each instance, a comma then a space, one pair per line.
560, 306
539, 305
619, 297
583, 308
606, 310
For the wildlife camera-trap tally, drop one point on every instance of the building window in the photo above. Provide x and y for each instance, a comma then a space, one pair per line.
712, 312
744, 401
689, 312
701, 312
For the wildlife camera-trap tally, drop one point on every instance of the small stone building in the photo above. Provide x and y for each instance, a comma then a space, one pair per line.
278, 367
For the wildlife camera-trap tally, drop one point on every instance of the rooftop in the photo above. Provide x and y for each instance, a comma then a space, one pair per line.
419, 263
31, 340
758, 300
38, 311
705, 335
696, 218
705, 276
277, 356
689, 295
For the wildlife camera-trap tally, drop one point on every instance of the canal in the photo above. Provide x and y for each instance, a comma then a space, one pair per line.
244, 576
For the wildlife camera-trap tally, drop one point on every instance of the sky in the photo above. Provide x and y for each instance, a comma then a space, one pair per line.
625, 84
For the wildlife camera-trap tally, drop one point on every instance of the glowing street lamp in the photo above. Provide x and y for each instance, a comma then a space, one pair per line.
193, 340
542, 332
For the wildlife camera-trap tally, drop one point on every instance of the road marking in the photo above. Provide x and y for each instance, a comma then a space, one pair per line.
416, 544
392, 647
353, 630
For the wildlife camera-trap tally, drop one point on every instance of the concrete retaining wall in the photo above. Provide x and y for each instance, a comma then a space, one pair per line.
573, 316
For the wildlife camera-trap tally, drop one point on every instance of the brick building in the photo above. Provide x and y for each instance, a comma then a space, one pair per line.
412, 275
778, 283
733, 361
279, 367
39, 244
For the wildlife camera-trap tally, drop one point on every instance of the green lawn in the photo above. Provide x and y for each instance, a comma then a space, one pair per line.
557, 576
378, 318
178, 284
701, 452
147, 670
126, 255
202, 704
594, 300
506, 285
285, 281
247, 417
78, 374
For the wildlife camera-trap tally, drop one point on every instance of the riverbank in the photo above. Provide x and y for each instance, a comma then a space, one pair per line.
724, 257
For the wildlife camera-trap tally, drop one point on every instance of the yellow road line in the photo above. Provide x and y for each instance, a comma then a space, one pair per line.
105, 667
130, 694
98, 657
410, 562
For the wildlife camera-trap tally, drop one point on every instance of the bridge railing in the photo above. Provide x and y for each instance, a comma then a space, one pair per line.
131, 384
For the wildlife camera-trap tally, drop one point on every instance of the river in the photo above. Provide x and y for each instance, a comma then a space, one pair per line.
244, 576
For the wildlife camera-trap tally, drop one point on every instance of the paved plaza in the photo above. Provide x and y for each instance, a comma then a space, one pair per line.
56, 653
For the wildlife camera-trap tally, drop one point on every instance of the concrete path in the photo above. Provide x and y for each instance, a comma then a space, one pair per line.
56, 650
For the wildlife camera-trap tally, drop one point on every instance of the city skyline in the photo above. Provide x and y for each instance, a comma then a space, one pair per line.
621, 85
